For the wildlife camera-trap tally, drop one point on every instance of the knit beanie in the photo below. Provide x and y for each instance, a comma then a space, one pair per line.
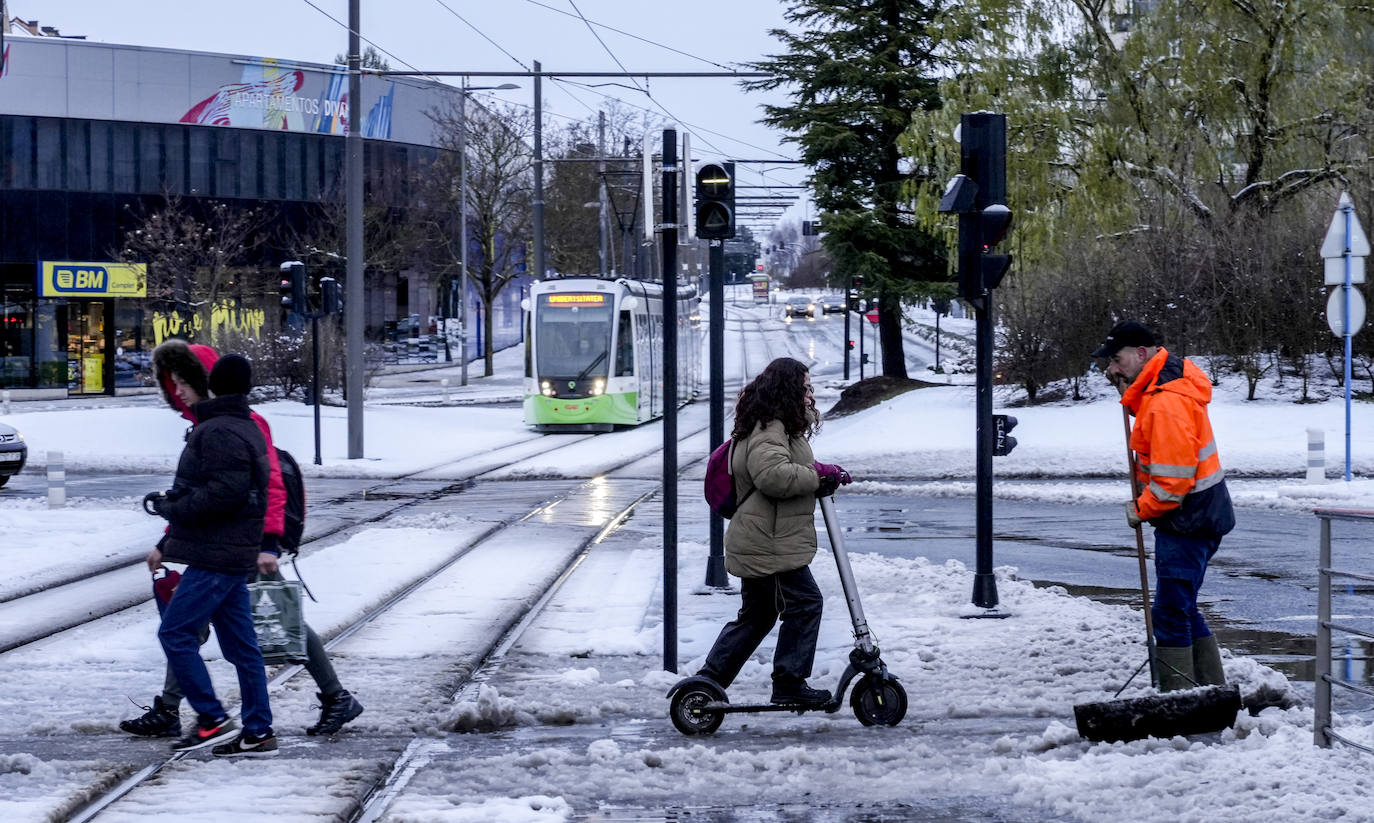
232, 374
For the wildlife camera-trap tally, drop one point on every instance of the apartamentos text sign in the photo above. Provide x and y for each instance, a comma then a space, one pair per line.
89, 280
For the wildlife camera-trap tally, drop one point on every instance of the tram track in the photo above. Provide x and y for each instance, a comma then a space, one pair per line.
107, 790
88, 596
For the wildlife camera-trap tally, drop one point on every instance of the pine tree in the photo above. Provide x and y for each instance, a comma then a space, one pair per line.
856, 71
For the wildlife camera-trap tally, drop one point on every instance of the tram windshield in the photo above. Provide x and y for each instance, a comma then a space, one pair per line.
573, 335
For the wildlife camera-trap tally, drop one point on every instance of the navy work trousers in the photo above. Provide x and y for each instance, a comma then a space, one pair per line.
222, 601
1180, 565
790, 595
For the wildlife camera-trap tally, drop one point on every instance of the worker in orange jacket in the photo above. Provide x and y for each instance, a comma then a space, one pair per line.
1183, 494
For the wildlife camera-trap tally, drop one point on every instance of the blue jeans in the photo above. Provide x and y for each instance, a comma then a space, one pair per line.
1180, 565
222, 601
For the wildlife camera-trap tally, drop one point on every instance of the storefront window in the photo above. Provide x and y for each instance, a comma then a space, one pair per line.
86, 350
50, 357
133, 357
16, 339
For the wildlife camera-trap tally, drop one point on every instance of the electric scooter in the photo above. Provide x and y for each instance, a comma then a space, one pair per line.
699, 705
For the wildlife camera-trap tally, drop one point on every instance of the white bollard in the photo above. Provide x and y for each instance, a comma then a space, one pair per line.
5, 400
443, 381
1316, 456
57, 481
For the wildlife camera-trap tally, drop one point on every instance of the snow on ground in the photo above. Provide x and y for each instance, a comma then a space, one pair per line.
991, 700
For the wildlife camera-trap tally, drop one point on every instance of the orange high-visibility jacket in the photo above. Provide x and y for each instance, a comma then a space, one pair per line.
1176, 454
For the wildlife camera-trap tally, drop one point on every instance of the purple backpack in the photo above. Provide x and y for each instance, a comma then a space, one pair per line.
720, 482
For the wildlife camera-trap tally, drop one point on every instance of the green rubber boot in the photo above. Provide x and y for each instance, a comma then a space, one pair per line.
1207, 662
1175, 667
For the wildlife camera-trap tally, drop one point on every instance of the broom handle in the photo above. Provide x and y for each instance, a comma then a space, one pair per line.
1140, 549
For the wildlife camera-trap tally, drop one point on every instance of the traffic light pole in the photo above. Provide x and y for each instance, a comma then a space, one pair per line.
849, 290
715, 562
984, 581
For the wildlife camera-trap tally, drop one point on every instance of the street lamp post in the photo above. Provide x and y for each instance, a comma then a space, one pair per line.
463, 218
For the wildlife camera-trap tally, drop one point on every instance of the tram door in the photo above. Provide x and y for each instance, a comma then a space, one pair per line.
87, 344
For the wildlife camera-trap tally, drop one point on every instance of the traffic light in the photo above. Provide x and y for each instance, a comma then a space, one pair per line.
1002, 441
851, 344
329, 295
716, 201
993, 224
292, 287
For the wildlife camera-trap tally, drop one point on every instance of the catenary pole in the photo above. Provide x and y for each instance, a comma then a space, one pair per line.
538, 173
715, 561
354, 227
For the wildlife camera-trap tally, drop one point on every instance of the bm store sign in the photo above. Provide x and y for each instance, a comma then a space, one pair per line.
65, 279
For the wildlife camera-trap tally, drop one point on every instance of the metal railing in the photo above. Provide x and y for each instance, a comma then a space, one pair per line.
1322, 732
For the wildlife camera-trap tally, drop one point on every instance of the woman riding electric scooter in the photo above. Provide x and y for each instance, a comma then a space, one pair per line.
771, 539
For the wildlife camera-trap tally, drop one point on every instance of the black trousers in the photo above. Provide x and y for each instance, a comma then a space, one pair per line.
791, 595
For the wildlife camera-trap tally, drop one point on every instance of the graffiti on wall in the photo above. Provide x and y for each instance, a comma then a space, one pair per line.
223, 319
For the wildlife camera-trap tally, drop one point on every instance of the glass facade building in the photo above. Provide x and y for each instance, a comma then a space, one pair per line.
95, 137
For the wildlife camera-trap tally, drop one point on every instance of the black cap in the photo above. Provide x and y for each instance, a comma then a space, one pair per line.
232, 374
1124, 334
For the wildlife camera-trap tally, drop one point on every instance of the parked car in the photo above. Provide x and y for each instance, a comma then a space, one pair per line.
799, 307
14, 452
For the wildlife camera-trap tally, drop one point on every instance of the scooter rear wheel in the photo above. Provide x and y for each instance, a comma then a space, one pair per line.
687, 713
878, 701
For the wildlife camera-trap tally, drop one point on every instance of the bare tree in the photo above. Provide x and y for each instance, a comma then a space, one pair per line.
197, 255
499, 196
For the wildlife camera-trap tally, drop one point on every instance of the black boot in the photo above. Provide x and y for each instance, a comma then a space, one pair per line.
335, 711
158, 721
795, 691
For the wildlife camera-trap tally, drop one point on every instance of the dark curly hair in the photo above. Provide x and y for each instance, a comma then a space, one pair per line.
778, 393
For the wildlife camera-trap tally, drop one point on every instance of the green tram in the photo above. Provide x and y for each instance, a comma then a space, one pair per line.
594, 353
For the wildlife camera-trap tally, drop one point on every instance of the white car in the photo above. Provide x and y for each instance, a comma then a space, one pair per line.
14, 452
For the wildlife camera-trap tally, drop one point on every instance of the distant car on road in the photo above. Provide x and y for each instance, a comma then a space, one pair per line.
830, 304
14, 452
799, 307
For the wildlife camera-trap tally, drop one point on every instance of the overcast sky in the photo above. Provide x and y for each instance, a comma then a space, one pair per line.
508, 35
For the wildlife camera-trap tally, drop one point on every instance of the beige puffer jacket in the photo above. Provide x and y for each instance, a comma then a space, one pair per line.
774, 530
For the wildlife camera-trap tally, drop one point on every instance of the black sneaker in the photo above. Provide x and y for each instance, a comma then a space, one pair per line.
246, 745
158, 721
798, 693
335, 712
208, 731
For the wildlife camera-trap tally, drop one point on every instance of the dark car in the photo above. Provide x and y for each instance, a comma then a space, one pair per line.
830, 304
14, 453
799, 307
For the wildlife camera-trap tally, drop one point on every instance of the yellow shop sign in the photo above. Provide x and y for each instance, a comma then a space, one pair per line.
65, 279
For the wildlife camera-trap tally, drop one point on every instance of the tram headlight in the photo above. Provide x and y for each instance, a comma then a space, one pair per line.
598, 386
546, 389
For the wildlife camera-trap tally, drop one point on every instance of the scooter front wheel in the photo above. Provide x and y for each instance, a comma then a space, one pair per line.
688, 714
878, 701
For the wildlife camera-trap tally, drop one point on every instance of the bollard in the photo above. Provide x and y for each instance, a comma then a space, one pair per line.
1316, 456
5, 400
57, 481
443, 381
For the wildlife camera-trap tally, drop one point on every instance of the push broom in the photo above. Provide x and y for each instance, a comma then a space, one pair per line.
1191, 711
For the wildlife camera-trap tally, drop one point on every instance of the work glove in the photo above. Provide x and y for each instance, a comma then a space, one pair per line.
152, 503
841, 476
831, 477
1133, 515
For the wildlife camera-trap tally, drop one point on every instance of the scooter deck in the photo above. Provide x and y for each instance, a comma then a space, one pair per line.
730, 708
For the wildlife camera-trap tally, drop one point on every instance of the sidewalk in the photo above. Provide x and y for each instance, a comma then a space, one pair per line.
575, 722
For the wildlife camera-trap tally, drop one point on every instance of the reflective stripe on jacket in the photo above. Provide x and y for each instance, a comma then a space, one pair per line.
1182, 484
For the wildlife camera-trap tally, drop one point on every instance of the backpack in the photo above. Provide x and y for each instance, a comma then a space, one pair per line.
720, 481
295, 501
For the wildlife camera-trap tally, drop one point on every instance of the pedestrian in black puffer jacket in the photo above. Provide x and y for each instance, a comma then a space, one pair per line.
216, 505
215, 512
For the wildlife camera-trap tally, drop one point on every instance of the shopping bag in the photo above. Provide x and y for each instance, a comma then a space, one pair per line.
278, 619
